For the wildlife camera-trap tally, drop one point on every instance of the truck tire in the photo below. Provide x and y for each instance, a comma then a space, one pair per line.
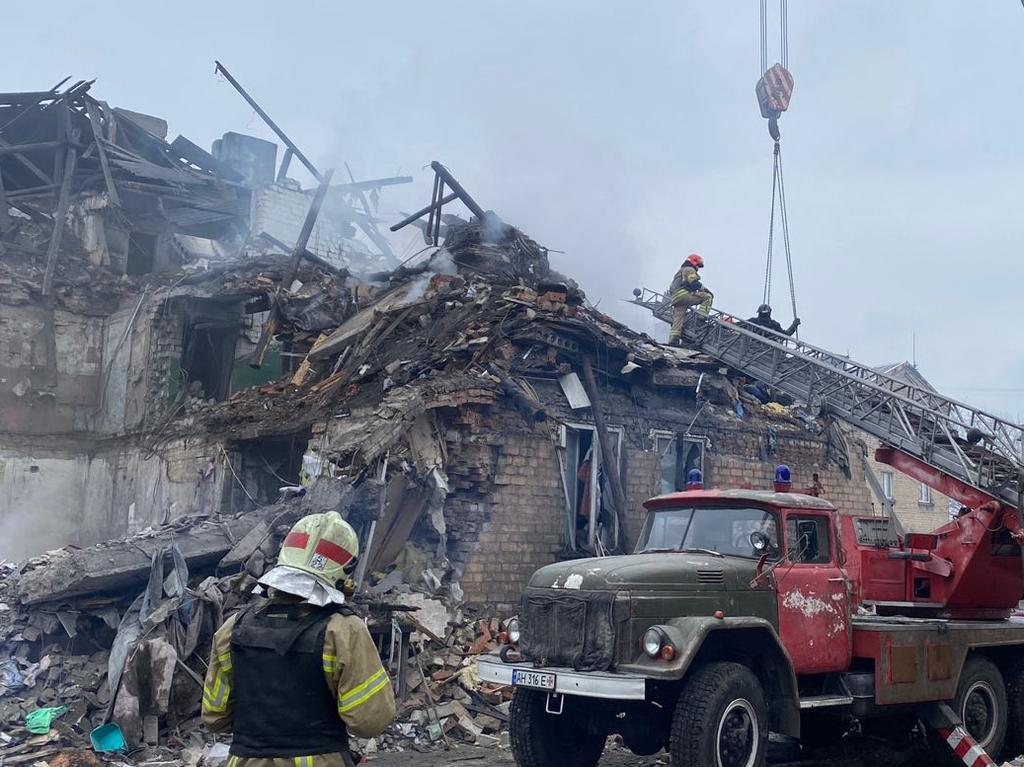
721, 719
1013, 674
540, 739
981, 703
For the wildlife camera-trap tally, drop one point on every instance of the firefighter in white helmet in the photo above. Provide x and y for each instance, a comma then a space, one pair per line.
293, 677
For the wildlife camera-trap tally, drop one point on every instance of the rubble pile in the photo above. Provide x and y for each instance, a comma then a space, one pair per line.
119, 632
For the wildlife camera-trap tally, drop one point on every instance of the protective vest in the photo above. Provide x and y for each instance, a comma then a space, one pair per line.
283, 706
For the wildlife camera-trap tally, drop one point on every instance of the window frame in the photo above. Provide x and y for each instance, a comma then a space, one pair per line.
924, 495
886, 480
827, 538
675, 439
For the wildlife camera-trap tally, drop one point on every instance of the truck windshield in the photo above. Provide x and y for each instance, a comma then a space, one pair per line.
723, 530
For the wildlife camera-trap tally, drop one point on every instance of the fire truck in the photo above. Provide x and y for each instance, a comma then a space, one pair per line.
745, 616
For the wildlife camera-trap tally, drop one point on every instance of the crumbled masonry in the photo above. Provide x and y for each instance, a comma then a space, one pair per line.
194, 353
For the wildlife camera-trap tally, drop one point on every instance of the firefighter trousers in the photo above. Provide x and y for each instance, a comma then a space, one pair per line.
681, 302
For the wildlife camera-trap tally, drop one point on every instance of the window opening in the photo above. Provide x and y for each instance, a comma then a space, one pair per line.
807, 540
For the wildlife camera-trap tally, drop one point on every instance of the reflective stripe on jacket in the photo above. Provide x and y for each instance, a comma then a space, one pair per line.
352, 669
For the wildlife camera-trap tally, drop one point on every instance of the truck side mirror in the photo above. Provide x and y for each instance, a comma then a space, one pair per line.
807, 540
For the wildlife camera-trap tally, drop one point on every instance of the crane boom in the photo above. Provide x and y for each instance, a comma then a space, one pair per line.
977, 448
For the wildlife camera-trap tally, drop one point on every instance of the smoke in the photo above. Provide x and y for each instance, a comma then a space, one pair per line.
439, 263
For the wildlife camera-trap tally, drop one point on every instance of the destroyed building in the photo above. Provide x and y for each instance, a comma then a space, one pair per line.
195, 350
507, 423
135, 276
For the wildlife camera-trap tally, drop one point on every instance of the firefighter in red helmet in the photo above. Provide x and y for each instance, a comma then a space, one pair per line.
687, 291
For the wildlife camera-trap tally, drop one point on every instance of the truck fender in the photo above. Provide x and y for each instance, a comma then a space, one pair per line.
747, 640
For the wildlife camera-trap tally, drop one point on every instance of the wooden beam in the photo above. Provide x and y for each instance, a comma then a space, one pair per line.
266, 118
26, 162
370, 227
286, 162
59, 220
270, 326
33, 147
611, 471
91, 109
5, 215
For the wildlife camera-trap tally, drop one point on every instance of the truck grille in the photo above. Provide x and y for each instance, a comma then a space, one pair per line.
710, 577
575, 629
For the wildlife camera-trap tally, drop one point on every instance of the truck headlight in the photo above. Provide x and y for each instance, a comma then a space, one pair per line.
657, 644
512, 629
653, 639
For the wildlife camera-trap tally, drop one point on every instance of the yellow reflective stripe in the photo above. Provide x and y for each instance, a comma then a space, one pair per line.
359, 695
215, 698
329, 663
302, 761
225, 660
233, 761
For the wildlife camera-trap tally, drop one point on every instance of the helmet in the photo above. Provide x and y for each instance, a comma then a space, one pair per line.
695, 261
782, 474
323, 544
764, 309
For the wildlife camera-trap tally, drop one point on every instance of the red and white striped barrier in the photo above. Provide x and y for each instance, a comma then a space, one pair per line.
963, 745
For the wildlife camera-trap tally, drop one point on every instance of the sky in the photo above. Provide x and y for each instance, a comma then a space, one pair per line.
627, 135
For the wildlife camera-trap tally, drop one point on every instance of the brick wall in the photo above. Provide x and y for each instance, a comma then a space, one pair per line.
642, 482
280, 209
915, 515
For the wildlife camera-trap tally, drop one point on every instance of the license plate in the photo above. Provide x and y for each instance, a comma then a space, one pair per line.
538, 679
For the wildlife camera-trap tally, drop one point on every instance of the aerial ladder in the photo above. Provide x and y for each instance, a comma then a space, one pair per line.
974, 456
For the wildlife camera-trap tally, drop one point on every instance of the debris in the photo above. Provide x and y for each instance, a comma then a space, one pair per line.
39, 721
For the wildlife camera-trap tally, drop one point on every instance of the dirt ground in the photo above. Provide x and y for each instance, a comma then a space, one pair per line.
467, 756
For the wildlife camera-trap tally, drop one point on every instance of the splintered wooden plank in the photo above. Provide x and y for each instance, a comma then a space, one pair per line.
59, 220
97, 135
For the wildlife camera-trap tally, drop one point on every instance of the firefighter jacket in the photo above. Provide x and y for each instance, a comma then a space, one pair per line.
687, 280
291, 682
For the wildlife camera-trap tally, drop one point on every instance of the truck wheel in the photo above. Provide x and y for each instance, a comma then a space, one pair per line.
1013, 745
982, 705
720, 719
540, 739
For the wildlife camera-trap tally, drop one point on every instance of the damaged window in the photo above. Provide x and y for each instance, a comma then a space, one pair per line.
260, 468
677, 456
593, 526
207, 359
141, 253
724, 530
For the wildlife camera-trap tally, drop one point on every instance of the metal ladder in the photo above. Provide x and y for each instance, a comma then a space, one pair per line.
978, 448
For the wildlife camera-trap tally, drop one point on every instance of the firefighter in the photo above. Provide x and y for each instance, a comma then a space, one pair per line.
686, 291
294, 677
764, 319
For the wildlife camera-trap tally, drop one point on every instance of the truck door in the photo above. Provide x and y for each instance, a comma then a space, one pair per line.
813, 594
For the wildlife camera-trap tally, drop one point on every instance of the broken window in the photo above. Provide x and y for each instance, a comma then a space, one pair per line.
677, 456
260, 468
207, 358
141, 253
592, 524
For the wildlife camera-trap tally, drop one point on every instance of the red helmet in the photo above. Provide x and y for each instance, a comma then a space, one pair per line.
695, 261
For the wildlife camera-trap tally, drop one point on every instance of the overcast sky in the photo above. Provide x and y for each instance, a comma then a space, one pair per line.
627, 134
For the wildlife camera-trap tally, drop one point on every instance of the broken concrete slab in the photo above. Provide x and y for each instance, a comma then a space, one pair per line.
118, 565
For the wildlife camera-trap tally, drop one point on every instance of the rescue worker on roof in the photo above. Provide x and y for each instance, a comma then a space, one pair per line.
764, 319
686, 291
294, 677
